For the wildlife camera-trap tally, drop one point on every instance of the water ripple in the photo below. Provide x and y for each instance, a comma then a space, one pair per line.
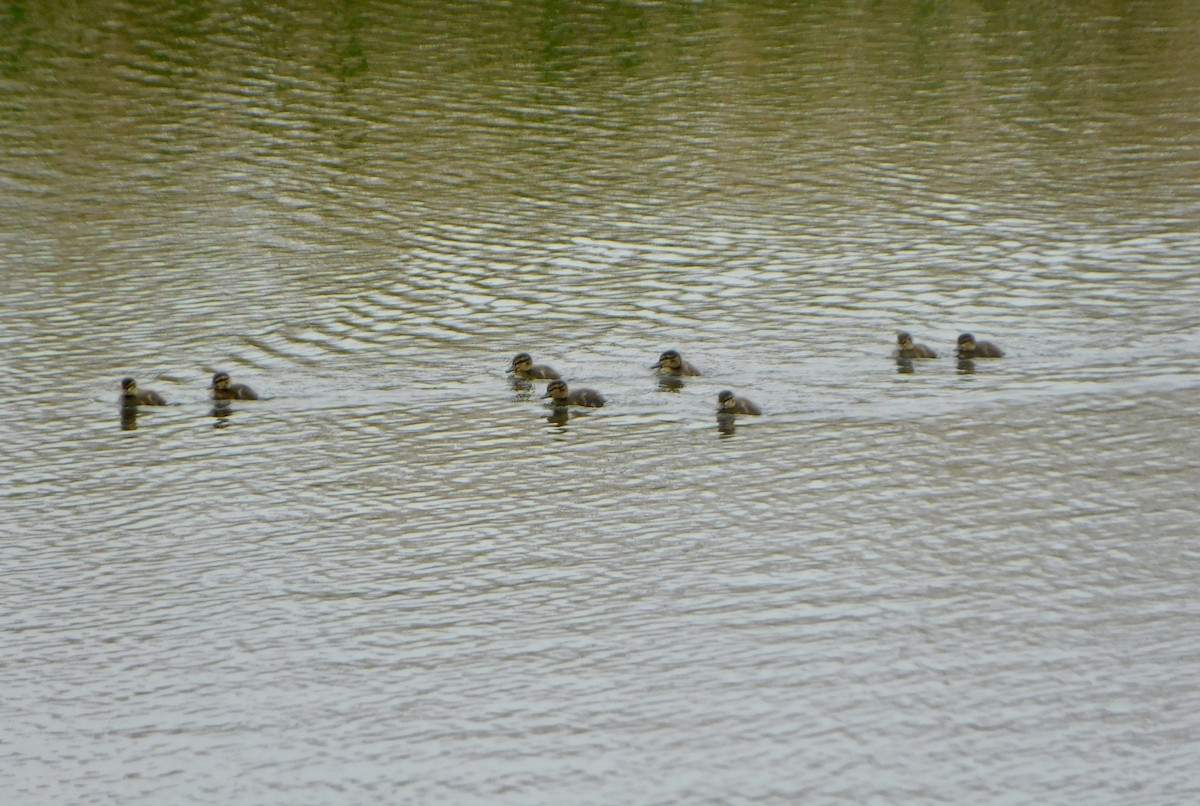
944, 575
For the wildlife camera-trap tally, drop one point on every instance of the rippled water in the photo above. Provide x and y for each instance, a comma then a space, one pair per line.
395, 578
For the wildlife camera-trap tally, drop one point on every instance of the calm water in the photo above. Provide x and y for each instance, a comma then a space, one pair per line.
396, 579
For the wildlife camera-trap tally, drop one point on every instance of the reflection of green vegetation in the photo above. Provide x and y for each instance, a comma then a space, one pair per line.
573, 31
14, 39
739, 86
350, 56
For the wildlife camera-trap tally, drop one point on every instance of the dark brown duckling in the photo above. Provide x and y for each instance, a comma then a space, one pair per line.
907, 349
969, 348
672, 363
222, 389
559, 395
729, 403
130, 396
523, 367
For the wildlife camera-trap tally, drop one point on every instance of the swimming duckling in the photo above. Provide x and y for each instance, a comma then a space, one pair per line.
130, 396
559, 395
224, 390
907, 349
672, 363
523, 367
969, 348
729, 403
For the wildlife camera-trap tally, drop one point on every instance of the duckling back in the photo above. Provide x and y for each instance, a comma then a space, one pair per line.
586, 397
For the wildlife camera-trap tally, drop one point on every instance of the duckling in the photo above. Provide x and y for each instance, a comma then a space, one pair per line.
559, 395
729, 403
672, 363
969, 348
130, 396
224, 390
523, 367
907, 349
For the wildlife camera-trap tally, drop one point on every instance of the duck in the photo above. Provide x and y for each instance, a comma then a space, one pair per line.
729, 403
130, 396
672, 363
907, 349
224, 390
523, 367
559, 395
969, 348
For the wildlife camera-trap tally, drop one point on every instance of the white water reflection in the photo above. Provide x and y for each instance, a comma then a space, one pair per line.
397, 577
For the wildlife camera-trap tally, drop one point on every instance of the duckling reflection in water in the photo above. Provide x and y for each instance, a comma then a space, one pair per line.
523, 367
129, 415
221, 412
906, 348
222, 389
561, 396
969, 348
672, 363
729, 403
131, 396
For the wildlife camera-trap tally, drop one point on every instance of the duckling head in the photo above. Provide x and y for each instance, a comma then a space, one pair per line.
669, 360
556, 391
522, 362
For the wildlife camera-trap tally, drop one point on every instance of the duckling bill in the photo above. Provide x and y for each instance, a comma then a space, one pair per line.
523, 367
672, 363
223, 389
560, 395
132, 396
968, 347
729, 403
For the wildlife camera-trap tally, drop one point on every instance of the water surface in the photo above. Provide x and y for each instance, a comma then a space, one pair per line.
397, 578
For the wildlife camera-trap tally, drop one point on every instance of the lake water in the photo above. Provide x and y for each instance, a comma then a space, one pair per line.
399, 578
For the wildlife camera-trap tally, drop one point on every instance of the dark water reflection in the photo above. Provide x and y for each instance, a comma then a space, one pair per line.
726, 424
559, 415
400, 576
221, 411
670, 383
129, 416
